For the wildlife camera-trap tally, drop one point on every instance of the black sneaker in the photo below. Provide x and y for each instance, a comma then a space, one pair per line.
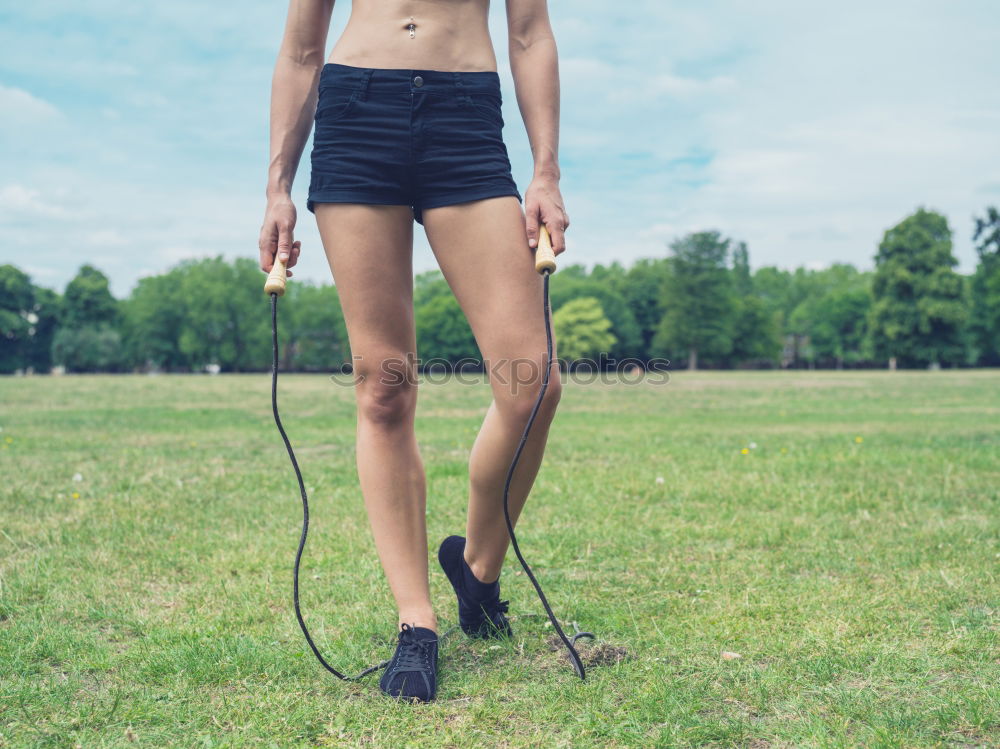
481, 618
412, 672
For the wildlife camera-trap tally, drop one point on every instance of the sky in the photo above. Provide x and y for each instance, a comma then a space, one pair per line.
135, 135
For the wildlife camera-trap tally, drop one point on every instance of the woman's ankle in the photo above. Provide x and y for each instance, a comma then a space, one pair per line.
418, 620
485, 574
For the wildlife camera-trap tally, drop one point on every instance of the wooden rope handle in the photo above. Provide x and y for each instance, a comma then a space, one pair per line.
545, 258
275, 283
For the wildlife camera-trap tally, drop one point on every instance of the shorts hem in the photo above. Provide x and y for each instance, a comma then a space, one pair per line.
464, 196
351, 196
438, 201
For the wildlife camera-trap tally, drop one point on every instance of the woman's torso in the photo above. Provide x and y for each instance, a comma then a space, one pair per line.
445, 35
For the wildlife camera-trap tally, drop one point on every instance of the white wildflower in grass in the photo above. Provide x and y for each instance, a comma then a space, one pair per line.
752, 445
78, 477
659, 479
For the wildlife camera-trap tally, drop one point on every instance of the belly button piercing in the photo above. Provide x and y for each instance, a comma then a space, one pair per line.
411, 27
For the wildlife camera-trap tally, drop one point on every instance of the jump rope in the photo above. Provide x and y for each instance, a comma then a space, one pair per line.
545, 264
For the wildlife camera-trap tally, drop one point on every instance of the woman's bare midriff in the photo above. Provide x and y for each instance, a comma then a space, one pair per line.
417, 35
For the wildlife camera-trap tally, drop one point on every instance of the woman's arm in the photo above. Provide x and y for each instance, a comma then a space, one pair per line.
293, 107
534, 65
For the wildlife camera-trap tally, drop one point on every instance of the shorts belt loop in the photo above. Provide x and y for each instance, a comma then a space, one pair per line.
366, 76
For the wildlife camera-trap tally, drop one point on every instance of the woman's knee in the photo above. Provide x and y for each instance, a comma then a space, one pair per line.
386, 400
518, 401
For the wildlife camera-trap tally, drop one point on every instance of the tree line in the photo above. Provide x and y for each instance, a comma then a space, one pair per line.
698, 306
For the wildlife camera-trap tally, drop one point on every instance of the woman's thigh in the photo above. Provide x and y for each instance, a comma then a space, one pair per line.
370, 252
483, 251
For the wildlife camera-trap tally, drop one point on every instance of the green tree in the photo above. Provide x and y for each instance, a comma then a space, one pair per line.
576, 270
87, 338
95, 347
643, 293
229, 316
831, 321
756, 332
46, 313
315, 336
17, 300
842, 334
88, 300
742, 278
443, 332
985, 290
153, 319
611, 276
624, 328
918, 310
427, 286
775, 288
581, 329
698, 304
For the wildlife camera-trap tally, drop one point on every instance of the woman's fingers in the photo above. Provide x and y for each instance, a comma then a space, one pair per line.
296, 249
277, 235
557, 233
531, 225
556, 222
267, 243
543, 205
284, 240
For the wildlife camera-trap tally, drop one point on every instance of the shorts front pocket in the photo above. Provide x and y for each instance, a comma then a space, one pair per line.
334, 103
486, 106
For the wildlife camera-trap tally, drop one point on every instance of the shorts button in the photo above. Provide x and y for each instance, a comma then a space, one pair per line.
418, 81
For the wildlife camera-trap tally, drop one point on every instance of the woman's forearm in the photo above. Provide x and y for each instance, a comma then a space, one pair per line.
534, 66
294, 88
293, 106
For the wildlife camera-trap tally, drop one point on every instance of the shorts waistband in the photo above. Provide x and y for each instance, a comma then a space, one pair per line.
406, 80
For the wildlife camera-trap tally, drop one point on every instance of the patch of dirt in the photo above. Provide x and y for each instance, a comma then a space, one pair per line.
970, 739
591, 653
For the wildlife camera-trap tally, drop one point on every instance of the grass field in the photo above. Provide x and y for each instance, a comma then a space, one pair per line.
839, 531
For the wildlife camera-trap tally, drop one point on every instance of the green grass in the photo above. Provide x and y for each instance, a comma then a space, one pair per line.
851, 558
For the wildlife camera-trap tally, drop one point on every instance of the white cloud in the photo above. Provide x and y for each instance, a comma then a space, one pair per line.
676, 85
21, 201
106, 238
20, 109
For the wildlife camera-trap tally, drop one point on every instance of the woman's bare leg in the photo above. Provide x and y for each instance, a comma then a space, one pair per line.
483, 252
370, 248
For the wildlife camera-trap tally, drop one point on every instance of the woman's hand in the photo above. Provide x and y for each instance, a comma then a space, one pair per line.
543, 204
276, 233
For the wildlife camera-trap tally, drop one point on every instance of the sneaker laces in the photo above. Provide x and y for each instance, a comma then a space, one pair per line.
413, 654
496, 610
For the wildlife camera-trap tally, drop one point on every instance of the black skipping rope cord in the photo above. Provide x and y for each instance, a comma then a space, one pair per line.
569, 642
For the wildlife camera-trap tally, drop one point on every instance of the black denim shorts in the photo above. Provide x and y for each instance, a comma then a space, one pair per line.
422, 138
